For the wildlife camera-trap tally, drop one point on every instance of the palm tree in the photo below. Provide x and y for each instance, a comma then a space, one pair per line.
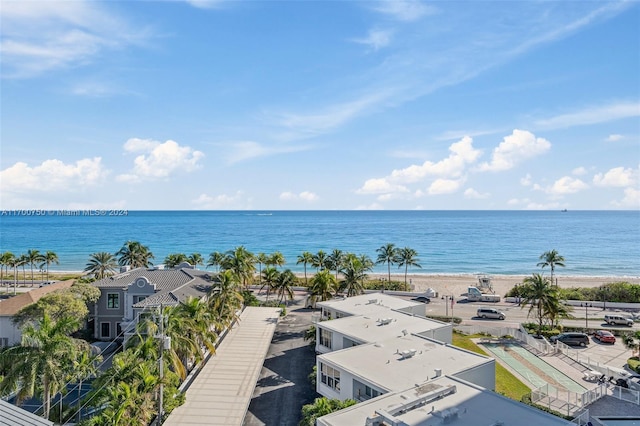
354, 275
305, 258
40, 365
204, 323
284, 285
23, 260
49, 258
319, 260
33, 256
135, 255
270, 277
195, 259
215, 259
335, 261
387, 254
85, 365
101, 265
174, 259
241, 262
6, 261
323, 284
407, 257
225, 298
551, 259
277, 259
542, 296
261, 259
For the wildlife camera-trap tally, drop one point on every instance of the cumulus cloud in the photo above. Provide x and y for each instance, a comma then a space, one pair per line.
444, 186
159, 160
53, 175
304, 196
616, 177
631, 199
515, 148
614, 138
566, 185
472, 193
579, 171
237, 201
376, 39
380, 186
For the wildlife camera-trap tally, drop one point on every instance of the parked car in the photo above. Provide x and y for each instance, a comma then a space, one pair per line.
633, 383
421, 299
47, 283
604, 336
615, 319
571, 339
490, 313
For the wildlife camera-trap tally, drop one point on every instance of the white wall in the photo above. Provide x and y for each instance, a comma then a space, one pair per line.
484, 375
10, 331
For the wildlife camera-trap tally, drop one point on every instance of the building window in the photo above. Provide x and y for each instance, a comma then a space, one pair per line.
105, 329
370, 393
113, 301
330, 377
325, 338
4, 342
137, 299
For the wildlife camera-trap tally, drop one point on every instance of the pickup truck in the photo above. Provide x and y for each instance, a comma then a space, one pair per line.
473, 294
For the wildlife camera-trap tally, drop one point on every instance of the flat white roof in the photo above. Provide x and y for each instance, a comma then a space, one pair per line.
429, 404
384, 325
384, 365
367, 303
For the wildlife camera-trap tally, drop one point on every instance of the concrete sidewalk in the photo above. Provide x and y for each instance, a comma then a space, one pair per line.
221, 392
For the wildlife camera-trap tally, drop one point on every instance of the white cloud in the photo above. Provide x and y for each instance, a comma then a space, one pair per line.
159, 160
237, 201
515, 148
614, 138
404, 10
376, 39
53, 175
444, 186
380, 186
472, 193
616, 177
543, 206
526, 180
239, 151
591, 115
579, 171
566, 185
304, 196
631, 199
41, 36
372, 206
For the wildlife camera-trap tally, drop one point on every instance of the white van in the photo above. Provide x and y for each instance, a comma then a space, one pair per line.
490, 313
615, 319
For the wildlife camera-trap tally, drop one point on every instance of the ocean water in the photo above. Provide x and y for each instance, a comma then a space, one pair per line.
593, 243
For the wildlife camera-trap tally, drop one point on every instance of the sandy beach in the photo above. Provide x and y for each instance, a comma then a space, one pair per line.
457, 284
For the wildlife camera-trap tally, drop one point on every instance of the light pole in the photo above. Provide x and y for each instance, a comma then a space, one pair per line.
586, 317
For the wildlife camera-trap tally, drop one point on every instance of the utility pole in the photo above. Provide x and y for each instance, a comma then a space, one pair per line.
586, 317
161, 366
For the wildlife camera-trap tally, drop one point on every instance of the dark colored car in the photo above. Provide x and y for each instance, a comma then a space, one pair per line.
421, 299
573, 339
604, 336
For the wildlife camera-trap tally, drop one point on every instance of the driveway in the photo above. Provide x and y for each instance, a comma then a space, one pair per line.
283, 387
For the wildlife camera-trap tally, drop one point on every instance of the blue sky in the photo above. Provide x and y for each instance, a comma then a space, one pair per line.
320, 105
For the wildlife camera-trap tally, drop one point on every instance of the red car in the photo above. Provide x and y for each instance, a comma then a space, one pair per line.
604, 336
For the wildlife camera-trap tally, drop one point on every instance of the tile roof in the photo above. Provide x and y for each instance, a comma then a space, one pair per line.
16, 416
11, 306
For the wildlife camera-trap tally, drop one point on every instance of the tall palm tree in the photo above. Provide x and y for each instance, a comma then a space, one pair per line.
174, 259
284, 285
277, 259
101, 265
195, 259
387, 254
551, 259
40, 365
134, 254
33, 257
407, 257
240, 261
541, 296
319, 260
270, 276
23, 261
305, 258
335, 261
354, 275
215, 259
49, 258
323, 284
261, 259
204, 323
6, 261
85, 366
225, 297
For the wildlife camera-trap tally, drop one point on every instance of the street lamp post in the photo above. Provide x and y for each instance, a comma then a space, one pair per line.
586, 317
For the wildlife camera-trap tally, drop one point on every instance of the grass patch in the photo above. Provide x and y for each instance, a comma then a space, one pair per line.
506, 383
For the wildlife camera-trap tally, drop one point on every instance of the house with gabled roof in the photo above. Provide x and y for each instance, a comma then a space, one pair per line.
127, 295
10, 333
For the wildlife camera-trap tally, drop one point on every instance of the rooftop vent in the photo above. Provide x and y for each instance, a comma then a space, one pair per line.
385, 321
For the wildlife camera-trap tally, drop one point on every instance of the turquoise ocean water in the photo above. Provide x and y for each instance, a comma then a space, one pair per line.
594, 243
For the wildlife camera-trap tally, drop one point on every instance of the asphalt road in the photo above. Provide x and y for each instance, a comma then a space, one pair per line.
283, 387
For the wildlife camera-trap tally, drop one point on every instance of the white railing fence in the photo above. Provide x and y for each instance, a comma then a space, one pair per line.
566, 402
582, 419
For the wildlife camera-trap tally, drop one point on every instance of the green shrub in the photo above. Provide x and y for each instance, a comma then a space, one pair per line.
634, 363
385, 285
456, 320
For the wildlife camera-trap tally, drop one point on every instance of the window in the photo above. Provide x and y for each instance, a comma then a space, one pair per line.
4, 342
330, 377
113, 301
371, 393
325, 338
105, 329
137, 299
